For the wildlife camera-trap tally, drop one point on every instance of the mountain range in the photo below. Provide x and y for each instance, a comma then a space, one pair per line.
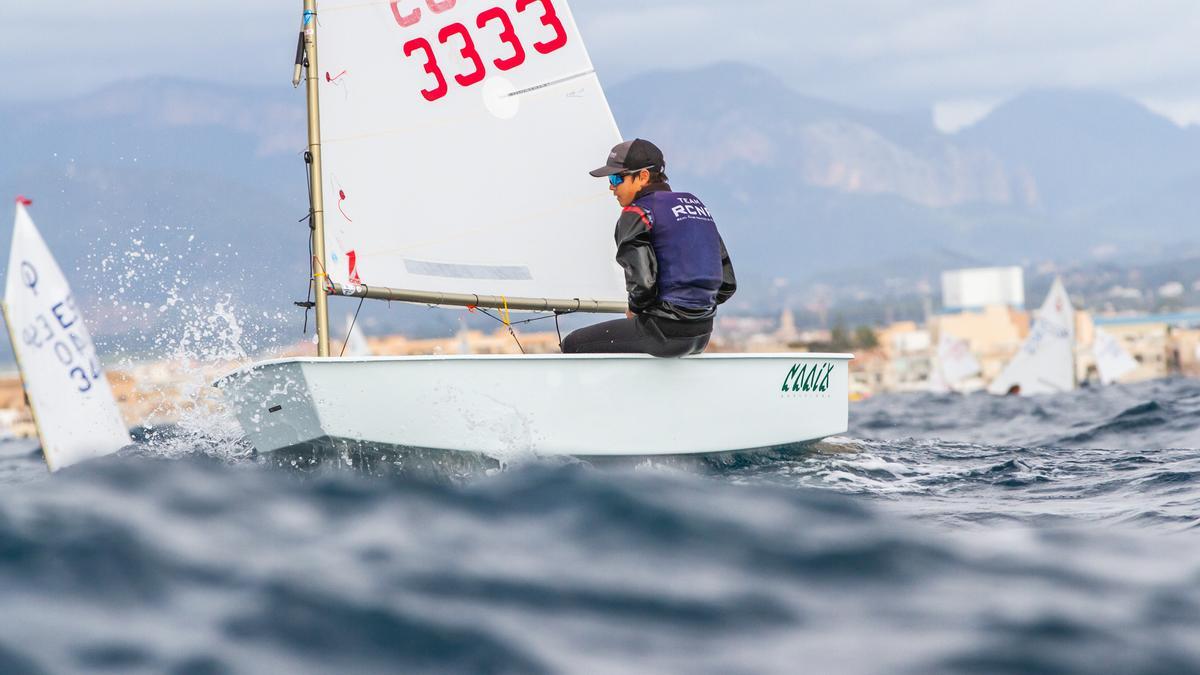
144, 185
1055, 174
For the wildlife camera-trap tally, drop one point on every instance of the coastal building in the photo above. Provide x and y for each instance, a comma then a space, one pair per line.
15, 419
907, 357
994, 332
973, 289
1184, 351
1162, 344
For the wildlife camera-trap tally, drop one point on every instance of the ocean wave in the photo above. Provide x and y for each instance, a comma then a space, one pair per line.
951, 534
218, 566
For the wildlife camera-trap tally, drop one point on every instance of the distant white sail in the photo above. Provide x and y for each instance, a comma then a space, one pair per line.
356, 341
456, 138
1045, 363
956, 362
72, 402
1112, 361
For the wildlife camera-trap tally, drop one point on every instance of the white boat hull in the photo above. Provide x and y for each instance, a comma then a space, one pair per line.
581, 406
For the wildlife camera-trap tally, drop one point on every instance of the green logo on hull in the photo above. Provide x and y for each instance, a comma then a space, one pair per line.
808, 377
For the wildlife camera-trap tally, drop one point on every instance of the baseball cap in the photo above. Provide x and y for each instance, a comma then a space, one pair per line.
632, 155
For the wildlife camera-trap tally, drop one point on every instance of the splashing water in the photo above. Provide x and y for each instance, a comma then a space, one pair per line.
186, 335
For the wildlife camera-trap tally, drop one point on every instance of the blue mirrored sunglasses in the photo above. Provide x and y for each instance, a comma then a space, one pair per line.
618, 178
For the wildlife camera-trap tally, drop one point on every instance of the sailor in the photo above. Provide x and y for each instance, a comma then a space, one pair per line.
676, 267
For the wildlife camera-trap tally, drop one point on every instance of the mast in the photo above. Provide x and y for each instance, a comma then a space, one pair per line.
315, 184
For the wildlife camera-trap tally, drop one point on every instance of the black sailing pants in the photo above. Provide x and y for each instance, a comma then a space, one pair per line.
641, 335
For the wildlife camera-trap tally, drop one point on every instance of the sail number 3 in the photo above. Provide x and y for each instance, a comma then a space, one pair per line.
460, 34
78, 357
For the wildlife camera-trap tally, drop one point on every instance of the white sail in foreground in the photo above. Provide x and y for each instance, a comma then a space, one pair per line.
456, 141
72, 402
1112, 361
1045, 363
955, 362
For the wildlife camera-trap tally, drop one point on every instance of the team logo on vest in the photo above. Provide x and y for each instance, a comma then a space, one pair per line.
690, 208
808, 377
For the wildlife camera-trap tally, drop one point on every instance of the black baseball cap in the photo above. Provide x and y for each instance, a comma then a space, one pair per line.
632, 155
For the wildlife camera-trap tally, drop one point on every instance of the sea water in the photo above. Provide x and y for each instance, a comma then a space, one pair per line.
943, 534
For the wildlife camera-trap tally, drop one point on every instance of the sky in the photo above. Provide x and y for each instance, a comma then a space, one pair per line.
957, 58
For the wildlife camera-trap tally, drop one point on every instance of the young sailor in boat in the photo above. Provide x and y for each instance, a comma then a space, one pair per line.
676, 267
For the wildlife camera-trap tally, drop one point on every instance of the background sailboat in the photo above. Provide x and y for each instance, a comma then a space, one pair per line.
1045, 364
955, 364
72, 403
1112, 360
449, 145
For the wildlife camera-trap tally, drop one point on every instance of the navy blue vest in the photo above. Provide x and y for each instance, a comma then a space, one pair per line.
687, 246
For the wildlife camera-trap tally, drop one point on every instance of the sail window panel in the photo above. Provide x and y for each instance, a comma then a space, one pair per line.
457, 271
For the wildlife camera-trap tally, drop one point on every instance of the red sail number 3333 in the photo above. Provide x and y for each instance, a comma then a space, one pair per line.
494, 20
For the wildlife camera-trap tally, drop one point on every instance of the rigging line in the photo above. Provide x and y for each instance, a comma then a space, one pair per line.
513, 333
513, 323
308, 298
313, 263
353, 322
508, 322
309, 302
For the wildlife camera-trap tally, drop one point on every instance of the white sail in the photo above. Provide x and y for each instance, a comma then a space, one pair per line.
72, 402
1045, 363
356, 341
956, 362
456, 140
1112, 361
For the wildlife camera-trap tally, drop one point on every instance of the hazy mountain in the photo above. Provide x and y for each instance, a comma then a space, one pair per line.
1087, 148
729, 118
156, 174
1052, 174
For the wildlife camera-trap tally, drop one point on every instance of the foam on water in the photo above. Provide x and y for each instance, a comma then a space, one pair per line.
179, 298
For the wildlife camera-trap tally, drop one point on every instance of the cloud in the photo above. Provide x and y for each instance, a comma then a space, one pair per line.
955, 115
68, 47
895, 53
880, 53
